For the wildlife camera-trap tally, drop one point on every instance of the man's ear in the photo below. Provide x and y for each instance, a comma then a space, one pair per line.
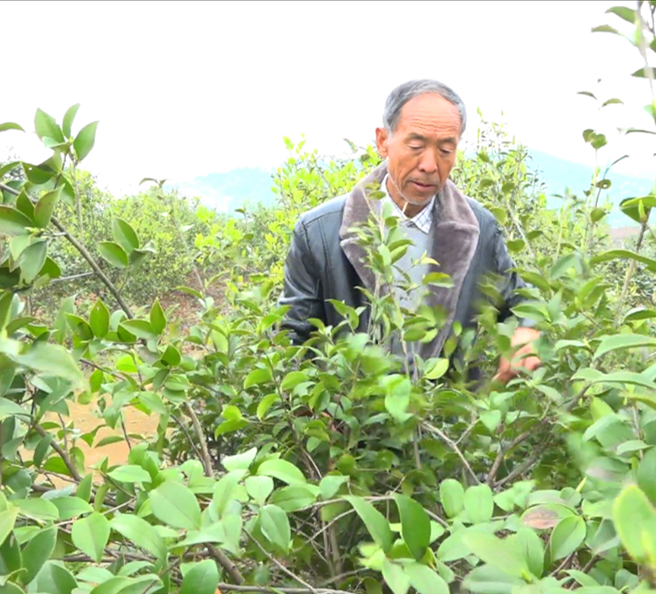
382, 138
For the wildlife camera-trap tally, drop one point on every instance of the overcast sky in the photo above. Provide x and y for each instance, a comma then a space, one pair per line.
183, 89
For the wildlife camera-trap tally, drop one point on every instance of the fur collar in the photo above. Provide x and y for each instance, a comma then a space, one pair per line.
455, 236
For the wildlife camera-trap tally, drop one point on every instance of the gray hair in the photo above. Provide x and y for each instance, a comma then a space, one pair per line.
403, 93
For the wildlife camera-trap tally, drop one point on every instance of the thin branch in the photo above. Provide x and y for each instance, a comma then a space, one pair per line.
453, 446
189, 439
522, 468
291, 574
268, 589
502, 454
205, 455
64, 279
85, 254
225, 562
64, 456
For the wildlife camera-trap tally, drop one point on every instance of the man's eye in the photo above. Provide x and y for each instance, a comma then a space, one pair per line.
416, 147
445, 151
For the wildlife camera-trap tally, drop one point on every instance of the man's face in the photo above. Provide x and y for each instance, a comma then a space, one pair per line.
422, 149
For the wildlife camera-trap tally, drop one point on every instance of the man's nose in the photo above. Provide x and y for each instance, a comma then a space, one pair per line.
428, 162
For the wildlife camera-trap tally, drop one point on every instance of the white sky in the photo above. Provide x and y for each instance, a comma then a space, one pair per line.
183, 89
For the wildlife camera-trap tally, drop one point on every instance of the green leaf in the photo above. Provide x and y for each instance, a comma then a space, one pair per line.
11, 558
8, 408
157, 318
563, 265
24, 205
265, 404
85, 140
13, 222
632, 207
32, 259
55, 579
624, 13
566, 537
99, 319
292, 379
487, 579
395, 577
425, 580
438, 370
84, 488
415, 525
532, 547
502, 554
330, 484
124, 235
45, 207
259, 488
46, 126
37, 552
140, 328
140, 532
67, 122
617, 342
10, 126
479, 503
7, 522
282, 470
91, 535
37, 509
257, 377
240, 461
71, 507
294, 497
201, 578
275, 526
635, 523
79, 326
639, 313
114, 254
175, 505
624, 255
376, 524
646, 475
130, 473
452, 496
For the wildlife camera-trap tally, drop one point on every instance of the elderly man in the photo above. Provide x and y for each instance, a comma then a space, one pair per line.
423, 122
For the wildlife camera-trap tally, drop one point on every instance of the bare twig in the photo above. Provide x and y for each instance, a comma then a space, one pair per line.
205, 455
453, 446
566, 561
291, 574
189, 438
501, 455
65, 279
225, 562
522, 468
64, 456
268, 589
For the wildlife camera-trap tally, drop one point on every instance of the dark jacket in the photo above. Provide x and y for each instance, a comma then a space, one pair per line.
325, 261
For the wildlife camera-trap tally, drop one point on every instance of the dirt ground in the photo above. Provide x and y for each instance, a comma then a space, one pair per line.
88, 417
184, 310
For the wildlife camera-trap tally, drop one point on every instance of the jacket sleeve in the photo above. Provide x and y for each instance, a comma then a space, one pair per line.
510, 280
302, 288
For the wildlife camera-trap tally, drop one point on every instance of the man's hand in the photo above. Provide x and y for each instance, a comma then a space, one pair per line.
523, 337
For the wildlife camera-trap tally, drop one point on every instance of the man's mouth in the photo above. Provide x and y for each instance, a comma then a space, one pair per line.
422, 186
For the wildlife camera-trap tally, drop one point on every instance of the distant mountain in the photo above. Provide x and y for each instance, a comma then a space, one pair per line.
228, 191
560, 174
231, 190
